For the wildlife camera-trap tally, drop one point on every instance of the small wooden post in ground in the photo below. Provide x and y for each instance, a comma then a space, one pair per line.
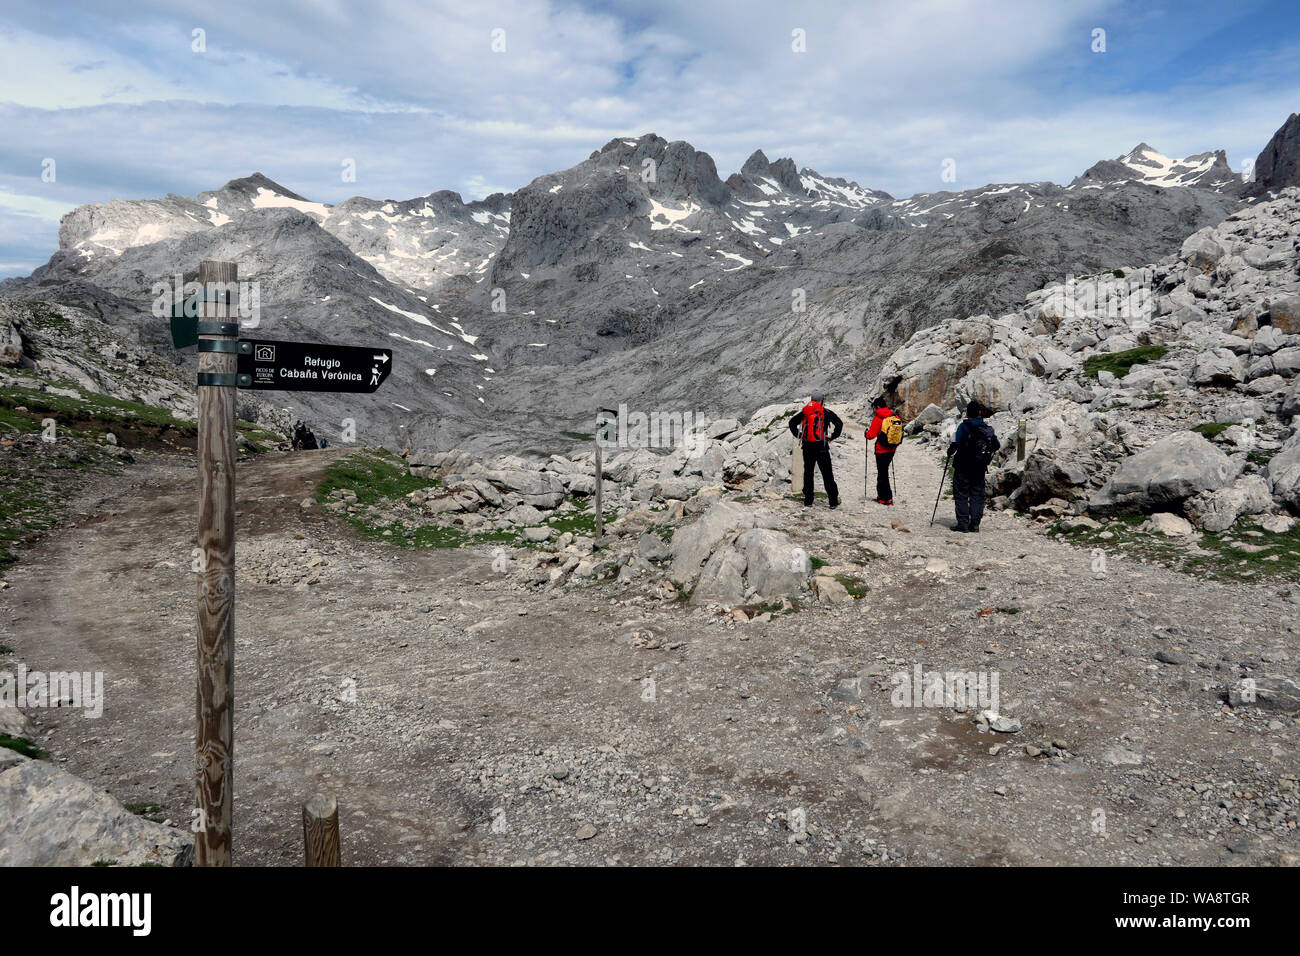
320, 831
600, 481
1020, 440
214, 739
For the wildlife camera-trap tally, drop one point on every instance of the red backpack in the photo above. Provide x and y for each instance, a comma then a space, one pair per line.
814, 422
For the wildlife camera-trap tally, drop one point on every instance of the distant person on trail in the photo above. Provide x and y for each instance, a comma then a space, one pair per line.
887, 429
303, 437
809, 425
973, 446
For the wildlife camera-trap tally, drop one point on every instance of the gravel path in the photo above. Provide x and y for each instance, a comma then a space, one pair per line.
462, 719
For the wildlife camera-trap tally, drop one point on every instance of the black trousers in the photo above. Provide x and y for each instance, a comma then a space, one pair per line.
883, 491
818, 455
968, 496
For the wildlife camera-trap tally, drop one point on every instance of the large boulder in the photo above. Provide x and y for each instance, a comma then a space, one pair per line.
48, 817
534, 483
1001, 383
1166, 474
1201, 251
1291, 402
1217, 510
722, 580
1217, 367
693, 544
775, 566
926, 370
1284, 473
1284, 312
1054, 473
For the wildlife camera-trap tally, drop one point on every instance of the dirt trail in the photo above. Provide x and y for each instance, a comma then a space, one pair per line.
461, 720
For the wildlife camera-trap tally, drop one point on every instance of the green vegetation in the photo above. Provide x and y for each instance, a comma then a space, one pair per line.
1242, 553
1210, 429
856, 587
23, 746
377, 476
374, 475
91, 412
579, 436
1120, 363
150, 811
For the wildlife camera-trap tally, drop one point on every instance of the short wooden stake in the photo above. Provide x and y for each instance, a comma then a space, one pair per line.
320, 831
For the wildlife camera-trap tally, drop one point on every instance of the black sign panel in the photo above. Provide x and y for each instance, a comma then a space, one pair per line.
305, 367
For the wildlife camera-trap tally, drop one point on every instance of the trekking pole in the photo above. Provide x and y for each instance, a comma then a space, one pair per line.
942, 479
866, 468
893, 471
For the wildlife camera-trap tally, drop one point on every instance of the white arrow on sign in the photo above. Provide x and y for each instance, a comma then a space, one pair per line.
380, 358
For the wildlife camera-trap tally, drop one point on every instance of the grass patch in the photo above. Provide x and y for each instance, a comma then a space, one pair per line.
375, 475
1120, 364
1233, 555
93, 411
857, 588
1211, 429
150, 811
23, 746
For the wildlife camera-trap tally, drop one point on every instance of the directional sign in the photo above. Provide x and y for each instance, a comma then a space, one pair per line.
306, 367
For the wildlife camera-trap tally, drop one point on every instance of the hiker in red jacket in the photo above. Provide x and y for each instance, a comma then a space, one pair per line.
809, 424
884, 450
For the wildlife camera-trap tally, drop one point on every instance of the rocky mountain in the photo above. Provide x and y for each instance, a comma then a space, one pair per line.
1145, 165
1278, 165
637, 276
312, 287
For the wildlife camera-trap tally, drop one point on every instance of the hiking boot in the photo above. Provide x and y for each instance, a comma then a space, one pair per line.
807, 504
962, 528
884, 501
835, 503
974, 528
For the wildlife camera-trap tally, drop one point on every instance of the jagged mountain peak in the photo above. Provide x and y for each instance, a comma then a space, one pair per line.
1146, 165
1278, 165
251, 184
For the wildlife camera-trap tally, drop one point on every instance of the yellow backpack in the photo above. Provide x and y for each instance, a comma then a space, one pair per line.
891, 430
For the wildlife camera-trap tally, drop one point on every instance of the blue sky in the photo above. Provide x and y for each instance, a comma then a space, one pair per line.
413, 92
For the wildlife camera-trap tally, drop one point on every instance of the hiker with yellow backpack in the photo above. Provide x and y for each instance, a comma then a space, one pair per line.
887, 429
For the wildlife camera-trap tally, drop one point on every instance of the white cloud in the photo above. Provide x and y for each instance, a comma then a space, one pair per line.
411, 90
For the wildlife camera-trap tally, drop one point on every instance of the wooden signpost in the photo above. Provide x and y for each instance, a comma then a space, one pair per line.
214, 742
225, 363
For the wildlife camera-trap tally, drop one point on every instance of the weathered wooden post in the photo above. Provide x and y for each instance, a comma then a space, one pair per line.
214, 739
320, 831
1020, 440
600, 480
796, 467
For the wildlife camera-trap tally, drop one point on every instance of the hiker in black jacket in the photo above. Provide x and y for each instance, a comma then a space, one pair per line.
973, 446
809, 424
